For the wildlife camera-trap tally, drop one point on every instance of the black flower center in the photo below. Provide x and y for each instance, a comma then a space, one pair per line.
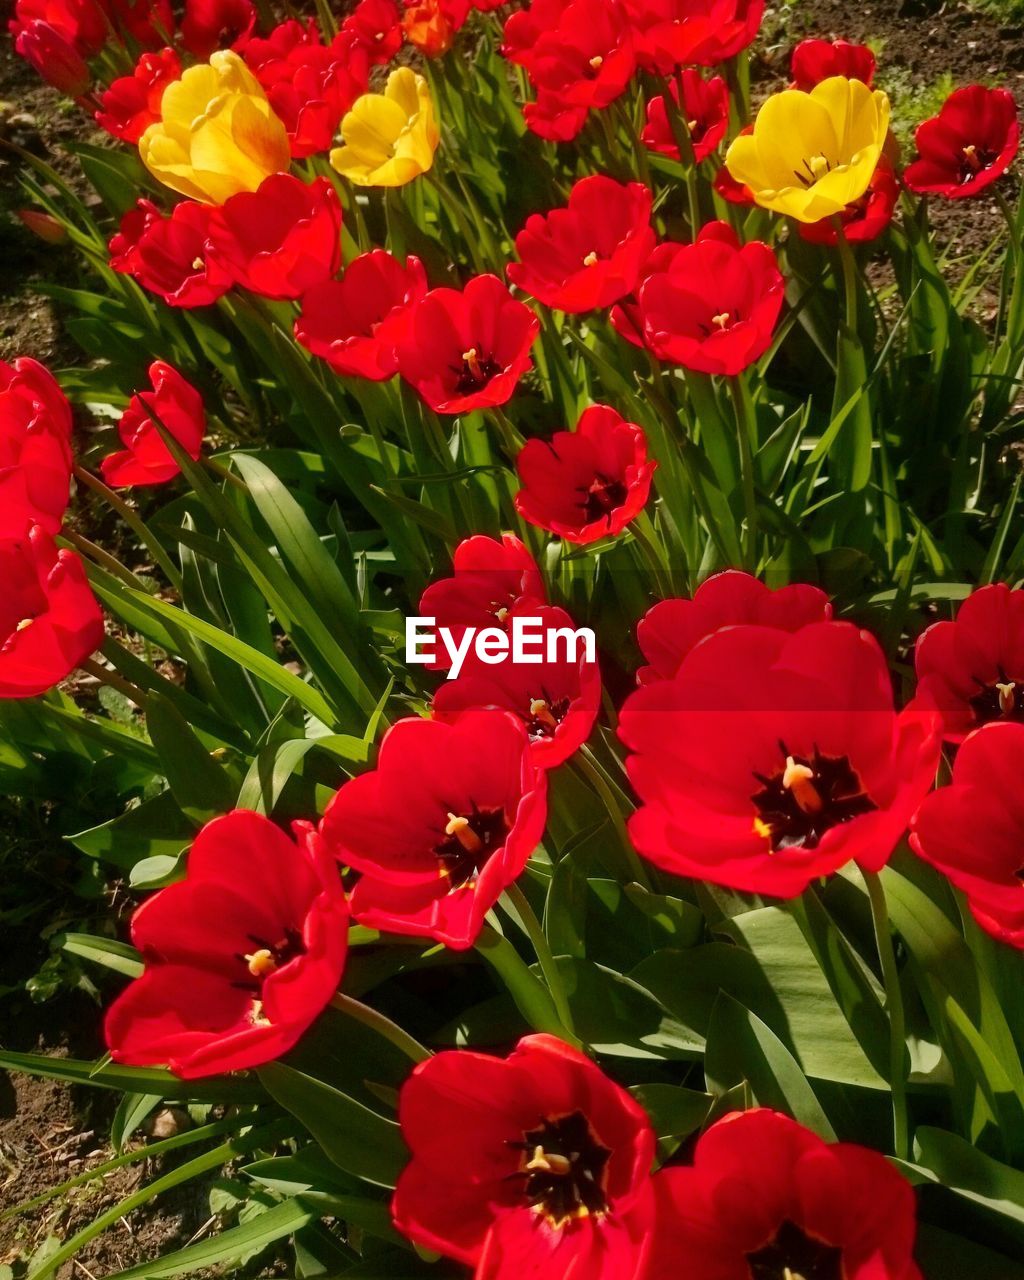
267, 956
475, 371
469, 840
602, 497
975, 160
807, 797
563, 1168
1003, 699
794, 1255
815, 168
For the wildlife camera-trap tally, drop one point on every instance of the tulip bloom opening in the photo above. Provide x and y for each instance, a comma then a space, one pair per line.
812, 154
35, 449
146, 459
967, 146
217, 134
389, 138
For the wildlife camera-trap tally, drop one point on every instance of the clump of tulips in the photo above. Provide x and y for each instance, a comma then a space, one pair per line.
690, 950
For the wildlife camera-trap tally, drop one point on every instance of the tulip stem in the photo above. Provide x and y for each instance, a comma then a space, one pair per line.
134, 522
390, 1031
114, 681
595, 776
102, 558
894, 1009
224, 473
545, 958
746, 434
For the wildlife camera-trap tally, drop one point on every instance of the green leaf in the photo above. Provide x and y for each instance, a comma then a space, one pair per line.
357, 1139
155, 828
199, 784
118, 956
970, 1173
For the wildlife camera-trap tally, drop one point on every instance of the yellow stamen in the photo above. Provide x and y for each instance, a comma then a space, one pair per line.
818, 165
691, 125
25, 622
472, 358
1007, 701
597, 62
459, 828
261, 963
590, 260
548, 1162
799, 778
197, 264
501, 614
762, 829
539, 710
721, 320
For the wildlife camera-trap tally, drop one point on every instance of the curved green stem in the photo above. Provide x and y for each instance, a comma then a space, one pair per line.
894, 1009
390, 1031
745, 438
134, 522
545, 958
109, 677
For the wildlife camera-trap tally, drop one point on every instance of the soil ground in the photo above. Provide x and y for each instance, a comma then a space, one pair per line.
49, 1132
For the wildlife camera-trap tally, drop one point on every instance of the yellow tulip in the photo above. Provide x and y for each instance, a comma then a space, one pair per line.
389, 138
812, 154
217, 134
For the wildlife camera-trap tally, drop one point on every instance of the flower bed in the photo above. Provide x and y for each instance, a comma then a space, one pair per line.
685, 942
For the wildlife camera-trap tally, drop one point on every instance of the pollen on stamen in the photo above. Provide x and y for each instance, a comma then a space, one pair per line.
591, 259
261, 963
198, 264
799, 778
596, 62
1007, 699
721, 320
540, 710
460, 829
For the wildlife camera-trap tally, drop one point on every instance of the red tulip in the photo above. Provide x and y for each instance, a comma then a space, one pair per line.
817, 60
676, 33
441, 827
132, 103
35, 450
376, 26
967, 146
557, 701
714, 308
50, 621
171, 256
973, 830
355, 323
865, 220
625, 316
726, 185
281, 239
590, 253
536, 1164
772, 759
490, 579
54, 57
465, 350
146, 459
149, 23
672, 628
586, 484
44, 225
82, 23
836, 1212
432, 25
214, 24
579, 56
241, 956
704, 114
310, 85
972, 669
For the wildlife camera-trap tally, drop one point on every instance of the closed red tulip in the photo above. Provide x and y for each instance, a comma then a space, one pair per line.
536, 1165
376, 25
864, 220
355, 323
83, 23
432, 25
241, 956
817, 60
282, 239
715, 305
590, 253
171, 256
50, 621
310, 85
675, 33
669, 630
829, 1211
703, 113
216, 24
35, 449
557, 700
967, 146
774, 758
132, 103
54, 56
146, 459
586, 484
467, 349
973, 829
490, 579
441, 827
972, 669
